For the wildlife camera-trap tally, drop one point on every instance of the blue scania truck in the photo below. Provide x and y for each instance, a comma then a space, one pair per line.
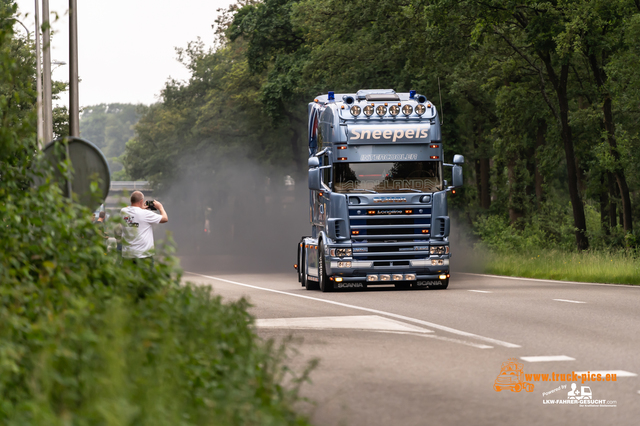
377, 197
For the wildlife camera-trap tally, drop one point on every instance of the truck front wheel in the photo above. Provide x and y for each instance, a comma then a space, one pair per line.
306, 282
323, 279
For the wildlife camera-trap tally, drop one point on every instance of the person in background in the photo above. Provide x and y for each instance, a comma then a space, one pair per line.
137, 234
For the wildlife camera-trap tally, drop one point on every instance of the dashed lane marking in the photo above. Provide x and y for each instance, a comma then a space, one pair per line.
548, 358
480, 291
603, 373
568, 301
375, 311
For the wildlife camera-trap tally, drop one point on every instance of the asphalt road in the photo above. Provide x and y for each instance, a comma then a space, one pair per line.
431, 357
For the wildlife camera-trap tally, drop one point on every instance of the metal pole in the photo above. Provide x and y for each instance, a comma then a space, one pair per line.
47, 106
74, 108
39, 79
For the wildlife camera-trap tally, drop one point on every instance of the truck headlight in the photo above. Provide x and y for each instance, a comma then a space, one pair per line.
340, 252
344, 264
368, 110
439, 250
355, 110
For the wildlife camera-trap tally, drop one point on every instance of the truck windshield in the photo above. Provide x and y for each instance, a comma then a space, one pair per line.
401, 176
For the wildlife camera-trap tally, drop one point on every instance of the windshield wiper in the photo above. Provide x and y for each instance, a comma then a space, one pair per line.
409, 189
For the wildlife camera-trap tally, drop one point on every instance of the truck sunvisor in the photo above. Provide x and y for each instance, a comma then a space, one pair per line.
384, 97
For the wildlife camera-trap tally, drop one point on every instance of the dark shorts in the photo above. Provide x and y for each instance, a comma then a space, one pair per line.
141, 262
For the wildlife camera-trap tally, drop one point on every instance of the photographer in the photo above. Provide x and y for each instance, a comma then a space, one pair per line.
137, 234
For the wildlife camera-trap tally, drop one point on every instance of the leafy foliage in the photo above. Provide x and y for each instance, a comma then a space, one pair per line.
86, 341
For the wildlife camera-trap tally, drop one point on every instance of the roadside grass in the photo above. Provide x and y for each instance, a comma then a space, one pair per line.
596, 267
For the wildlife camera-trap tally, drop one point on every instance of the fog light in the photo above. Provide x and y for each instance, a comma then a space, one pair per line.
338, 279
386, 277
437, 262
344, 264
372, 278
410, 277
397, 277
443, 277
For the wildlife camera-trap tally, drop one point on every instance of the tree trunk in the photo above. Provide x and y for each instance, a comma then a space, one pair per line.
478, 184
560, 86
515, 210
612, 203
618, 173
485, 183
604, 205
601, 77
540, 141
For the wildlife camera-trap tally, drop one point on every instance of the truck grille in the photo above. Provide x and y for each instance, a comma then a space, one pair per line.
390, 236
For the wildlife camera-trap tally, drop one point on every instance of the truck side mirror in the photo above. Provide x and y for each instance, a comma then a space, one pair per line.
458, 159
456, 174
314, 179
313, 162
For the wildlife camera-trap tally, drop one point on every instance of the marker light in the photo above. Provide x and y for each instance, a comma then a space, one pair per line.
355, 110
368, 110
420, 109
381, 110
342, 147
394, 110
434, 146
342, 158
435, 157
407, 109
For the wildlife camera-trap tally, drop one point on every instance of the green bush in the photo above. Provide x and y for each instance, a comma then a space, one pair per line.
84, 341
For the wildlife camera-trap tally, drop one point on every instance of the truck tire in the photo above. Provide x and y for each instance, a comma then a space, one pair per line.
306, 282
299, 260
323, 280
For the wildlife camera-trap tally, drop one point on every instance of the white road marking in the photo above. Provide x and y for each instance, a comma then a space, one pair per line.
446, 339
568, 301
480, 291
546, 281
375, 311
358, 322
603, 373
547, 358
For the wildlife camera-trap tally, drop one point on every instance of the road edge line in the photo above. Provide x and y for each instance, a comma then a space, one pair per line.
547, 280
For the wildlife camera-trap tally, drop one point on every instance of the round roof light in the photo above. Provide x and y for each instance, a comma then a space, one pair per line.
368, 110
407, 109
420, 109
394, 110
355, 110
381, 110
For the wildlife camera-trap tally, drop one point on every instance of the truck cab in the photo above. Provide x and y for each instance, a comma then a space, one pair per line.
377, 193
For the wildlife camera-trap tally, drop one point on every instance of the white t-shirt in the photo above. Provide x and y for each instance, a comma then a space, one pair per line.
137, 232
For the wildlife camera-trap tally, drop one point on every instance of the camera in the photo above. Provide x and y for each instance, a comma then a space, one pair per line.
150, 205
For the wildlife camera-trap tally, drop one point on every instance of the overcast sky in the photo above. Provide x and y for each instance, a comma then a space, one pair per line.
126, 48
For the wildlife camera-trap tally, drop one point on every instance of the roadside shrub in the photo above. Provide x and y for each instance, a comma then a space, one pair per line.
84, 341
